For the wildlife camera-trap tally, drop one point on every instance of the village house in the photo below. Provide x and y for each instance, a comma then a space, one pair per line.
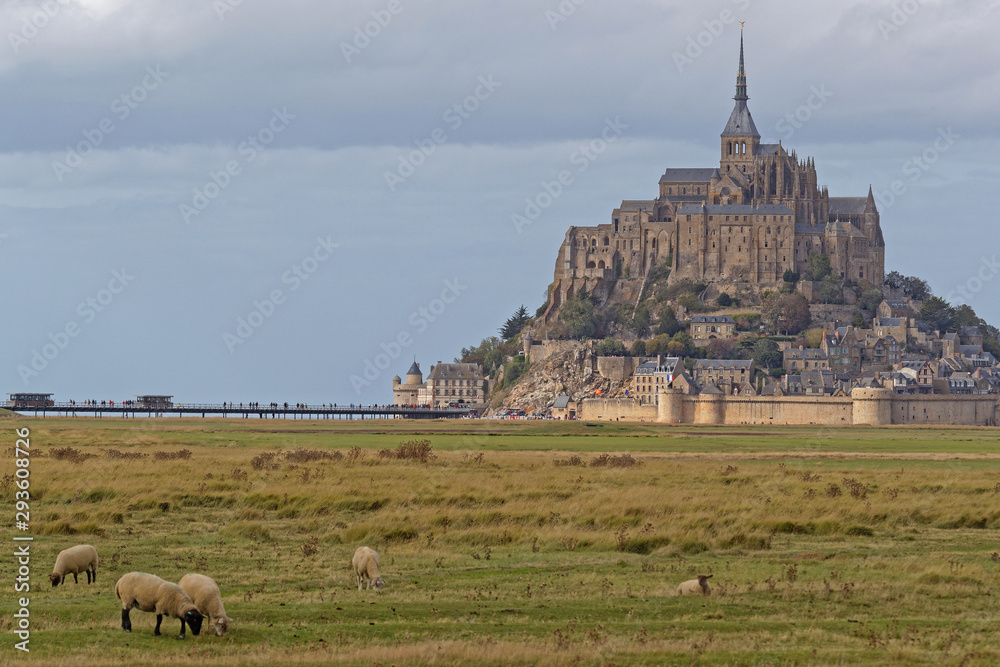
447, 384
651, 377
843, 350
723, 371
895, 308
710, 327
804, 359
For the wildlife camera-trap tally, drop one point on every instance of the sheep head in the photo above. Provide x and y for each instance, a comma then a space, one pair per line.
55, 578
222, 625
194, 619
378, 583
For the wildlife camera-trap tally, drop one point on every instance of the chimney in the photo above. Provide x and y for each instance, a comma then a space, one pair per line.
802, 347
659, 360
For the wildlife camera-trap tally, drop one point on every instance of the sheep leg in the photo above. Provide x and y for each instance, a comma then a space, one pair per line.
126, 621
88, 576
182, 629
75, 580
360, 582
159, 619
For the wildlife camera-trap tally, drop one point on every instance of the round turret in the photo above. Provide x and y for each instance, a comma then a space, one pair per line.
414, 375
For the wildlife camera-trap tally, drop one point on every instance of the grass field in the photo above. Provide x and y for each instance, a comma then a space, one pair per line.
519, 542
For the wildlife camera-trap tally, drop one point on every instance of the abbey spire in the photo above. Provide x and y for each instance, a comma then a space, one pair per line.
741, 75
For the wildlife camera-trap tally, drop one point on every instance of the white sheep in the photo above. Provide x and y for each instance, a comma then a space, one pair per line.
365, 563
697, 586
147, 592
81, 558
205, 594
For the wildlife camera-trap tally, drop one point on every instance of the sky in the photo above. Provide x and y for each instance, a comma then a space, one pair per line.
263, 200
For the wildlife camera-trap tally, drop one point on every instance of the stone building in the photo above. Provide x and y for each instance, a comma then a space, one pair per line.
710, 327
731, 372
755, 215
652, 377
446, 384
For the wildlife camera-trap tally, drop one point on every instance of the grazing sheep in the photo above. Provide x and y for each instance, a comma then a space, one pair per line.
147, 592
696, 586
81, 558
204, 592
365, 564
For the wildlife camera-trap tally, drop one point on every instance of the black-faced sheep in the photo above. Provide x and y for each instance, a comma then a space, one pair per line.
205, 594
147, 592
697, 586
81, 558
365, 563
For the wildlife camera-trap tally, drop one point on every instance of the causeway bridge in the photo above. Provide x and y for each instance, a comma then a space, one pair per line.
229, 410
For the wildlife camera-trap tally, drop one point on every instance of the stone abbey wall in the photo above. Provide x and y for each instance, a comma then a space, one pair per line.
877, 407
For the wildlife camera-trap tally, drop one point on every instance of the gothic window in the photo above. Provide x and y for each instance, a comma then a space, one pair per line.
593, 242
699, 190
765, 244
730, 148
684, 191
607, 241
713, 245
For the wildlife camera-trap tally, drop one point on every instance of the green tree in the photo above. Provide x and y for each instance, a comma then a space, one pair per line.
640, 320
859, 321
893, 280
514, 323
938, 313
579, 316
814, 338
790, 276
916, 289
817, 266
724, 300
610, 347
657, 346
785, 313
869, 301
638, 348
668, 323
831, 290
766, 354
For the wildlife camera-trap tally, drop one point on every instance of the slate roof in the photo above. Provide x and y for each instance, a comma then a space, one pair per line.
806, 228
689, 175
768, 149
804, 354
848, 205
735, 209
888, 321
740, 121
455, 371
562, 401
723, 364
414, 369
637, 205
712, 319
650, 367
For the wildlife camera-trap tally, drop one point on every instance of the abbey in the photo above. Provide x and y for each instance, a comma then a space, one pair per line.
757, 214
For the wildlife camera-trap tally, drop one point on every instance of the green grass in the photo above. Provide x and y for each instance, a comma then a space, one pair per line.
494, 554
